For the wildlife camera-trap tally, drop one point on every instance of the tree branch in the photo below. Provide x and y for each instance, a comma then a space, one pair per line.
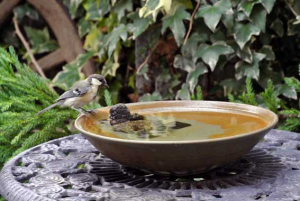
291, 8
27, 47
191, 22
147, 58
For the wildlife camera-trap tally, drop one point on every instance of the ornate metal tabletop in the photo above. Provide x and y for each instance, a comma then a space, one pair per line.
71, 168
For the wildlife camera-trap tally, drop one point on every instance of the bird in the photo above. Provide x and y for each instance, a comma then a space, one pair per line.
79, 94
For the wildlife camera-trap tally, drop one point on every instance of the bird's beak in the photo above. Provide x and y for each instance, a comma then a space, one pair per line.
106, 86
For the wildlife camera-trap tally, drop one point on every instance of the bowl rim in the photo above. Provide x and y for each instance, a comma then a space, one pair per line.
268, 127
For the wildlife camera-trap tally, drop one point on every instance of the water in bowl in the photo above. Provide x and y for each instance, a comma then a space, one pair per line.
177, 126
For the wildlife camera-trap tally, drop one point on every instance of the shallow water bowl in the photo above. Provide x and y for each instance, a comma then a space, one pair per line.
187, 157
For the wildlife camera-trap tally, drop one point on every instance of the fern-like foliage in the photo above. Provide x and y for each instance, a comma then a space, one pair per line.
292, 122
22, 94
248, 97
198, 95
270, 98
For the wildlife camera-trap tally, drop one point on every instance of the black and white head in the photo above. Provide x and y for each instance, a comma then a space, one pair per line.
98, 80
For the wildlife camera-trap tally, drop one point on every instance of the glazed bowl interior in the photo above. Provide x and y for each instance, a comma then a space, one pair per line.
185, 157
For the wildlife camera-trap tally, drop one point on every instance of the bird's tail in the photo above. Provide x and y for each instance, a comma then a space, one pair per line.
48, 108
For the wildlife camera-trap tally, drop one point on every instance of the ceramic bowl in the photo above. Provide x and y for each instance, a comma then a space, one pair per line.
180, 158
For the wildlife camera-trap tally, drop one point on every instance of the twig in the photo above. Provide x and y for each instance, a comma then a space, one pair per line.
291, 8
27, 47
147, 58
191, 22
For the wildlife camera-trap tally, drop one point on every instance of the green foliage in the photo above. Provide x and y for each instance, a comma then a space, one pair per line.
198, 95
249, 97
22, 94
269, 98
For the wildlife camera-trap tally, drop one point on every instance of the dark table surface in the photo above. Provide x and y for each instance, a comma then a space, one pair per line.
71, 168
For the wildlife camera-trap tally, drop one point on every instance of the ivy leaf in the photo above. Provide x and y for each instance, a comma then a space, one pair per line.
247, 6
213, 13
152, 7
258, 17
293, 28
228, 20
183, 93
93, 39
155, 96
249, 70
191, 46
243, 32
140, 24
112, 63
245, 53
40, 40
184, 62
193, 76
285, 90
121, 6
96, 9
84, 26
277, 26
74, 5
268, 4
293, 82
268, 51
110, 68
25, 10
175, 23
210, 53
113, 38
71, 72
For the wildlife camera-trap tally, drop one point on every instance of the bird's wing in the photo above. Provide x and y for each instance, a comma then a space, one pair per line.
77, 90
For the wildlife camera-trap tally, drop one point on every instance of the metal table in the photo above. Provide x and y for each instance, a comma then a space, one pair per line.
71, 168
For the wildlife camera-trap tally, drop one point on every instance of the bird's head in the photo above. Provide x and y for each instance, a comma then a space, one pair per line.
96, 79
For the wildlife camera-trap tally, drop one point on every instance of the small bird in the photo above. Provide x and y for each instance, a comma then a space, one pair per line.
80, 93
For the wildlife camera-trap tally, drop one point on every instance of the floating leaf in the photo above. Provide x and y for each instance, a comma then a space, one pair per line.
249, 70
140, 24
268, 51
175, 23
277, 26
210, 53
213, 13
193, 76
243, 32
258, 17
183, 93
